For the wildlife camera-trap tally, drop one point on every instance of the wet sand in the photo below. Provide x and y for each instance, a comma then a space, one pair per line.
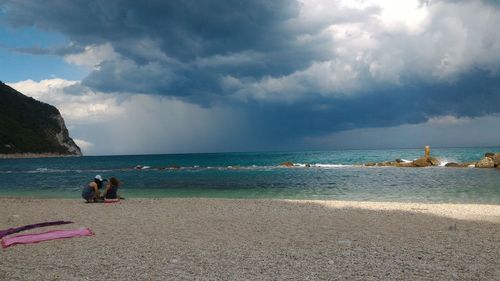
226, 239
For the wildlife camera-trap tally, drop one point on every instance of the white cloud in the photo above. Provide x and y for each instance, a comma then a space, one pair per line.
449, 120
83, 144
85, 106
370, 43
40, 90
330, 78
245, 57
408, 14
147, 49
92, 56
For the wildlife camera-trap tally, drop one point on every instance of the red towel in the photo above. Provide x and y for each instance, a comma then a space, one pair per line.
45, 236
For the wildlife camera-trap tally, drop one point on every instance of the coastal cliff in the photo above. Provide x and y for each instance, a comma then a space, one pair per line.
30, 128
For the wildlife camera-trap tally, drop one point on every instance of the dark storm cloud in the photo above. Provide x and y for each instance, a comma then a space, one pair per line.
185, 31
295, 71
56, 51
476, 95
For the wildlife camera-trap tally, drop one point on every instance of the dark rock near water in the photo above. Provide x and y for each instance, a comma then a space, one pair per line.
426, 162
434, 161
287, 164
496, 159
404, 164
421, 162
455, 165
30, 127
370, 164
486, 162
390, 164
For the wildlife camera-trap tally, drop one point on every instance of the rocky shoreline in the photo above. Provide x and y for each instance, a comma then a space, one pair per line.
490, 160
35, 155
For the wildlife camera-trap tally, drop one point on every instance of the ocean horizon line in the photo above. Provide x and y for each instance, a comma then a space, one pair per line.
293, 151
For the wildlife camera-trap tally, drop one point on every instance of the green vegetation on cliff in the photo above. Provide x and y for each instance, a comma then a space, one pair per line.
31, 126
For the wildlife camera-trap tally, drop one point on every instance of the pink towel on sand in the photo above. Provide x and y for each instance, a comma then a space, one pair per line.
115, 200
45, 236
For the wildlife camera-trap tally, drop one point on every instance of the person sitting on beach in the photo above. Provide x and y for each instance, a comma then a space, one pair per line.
111, 192
91, 192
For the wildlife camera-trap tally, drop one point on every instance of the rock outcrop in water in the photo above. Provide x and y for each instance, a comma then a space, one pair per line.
427, 160
30, 128
424, 161
287, 164
496, 159
490, 160
458, 165
486, 162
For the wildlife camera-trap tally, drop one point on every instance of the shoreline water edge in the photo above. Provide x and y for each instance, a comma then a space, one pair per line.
329, 175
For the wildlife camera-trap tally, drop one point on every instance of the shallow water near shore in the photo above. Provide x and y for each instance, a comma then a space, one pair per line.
316, 175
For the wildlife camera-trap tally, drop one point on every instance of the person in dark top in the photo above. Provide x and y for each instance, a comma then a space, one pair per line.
91, 192
111, 191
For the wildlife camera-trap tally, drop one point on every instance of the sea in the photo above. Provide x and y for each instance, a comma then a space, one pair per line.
336, 174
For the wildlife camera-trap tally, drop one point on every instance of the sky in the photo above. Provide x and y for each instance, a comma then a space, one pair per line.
140, 77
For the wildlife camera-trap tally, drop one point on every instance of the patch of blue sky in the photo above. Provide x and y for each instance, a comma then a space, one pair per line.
17, 66
26, 37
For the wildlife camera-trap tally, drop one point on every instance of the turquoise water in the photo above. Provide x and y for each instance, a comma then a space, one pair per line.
331, 175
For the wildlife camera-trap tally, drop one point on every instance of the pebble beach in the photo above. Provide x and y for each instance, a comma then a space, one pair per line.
232, 239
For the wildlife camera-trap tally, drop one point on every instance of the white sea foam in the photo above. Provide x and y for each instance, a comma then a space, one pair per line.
319, 165
47, 170
331, 165
43, 170
444, 161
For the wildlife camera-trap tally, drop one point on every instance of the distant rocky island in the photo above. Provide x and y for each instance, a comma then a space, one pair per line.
30, 128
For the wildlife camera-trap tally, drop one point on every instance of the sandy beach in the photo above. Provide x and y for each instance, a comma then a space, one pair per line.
223, 239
